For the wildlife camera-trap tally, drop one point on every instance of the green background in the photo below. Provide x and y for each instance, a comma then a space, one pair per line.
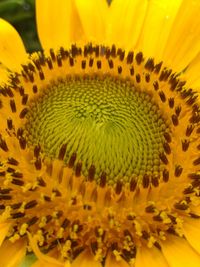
21, 14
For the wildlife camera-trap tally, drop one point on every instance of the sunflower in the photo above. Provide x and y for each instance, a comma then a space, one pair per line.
99, 136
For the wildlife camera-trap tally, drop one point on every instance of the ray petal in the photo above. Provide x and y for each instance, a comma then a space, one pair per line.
179, 253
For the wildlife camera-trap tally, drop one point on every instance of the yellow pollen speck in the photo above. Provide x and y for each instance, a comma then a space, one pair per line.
23, 229
14, 238
98, 255
117, 255
42, 222
151, 242
6, 214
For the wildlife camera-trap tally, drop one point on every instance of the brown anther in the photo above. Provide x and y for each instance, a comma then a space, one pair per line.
5, 191
139, 58
194, 216
78, 169
17, 215
62, 152
59, 60
38, 164
132, 71
98, 64
72, 160
149, 65
91, 173
57, 192
13, 105
147, 77
3, 145
41, 75
23, 113
181, 206
133, 185
113, 51
130, 56
138, 78
155, 181
157, 67
188, 190
196, 161
24, 99
110, 63
37, 150
71, 61
185, 145
189, 130
31, 204
163, 158
194, 176
162, 96
103, 179
175, 120
178, 110
119, 69
83, 64
49, 63
17, 182
121, 54
118, 188
157, 218
16, 206
156, 85
150, 209
32, 221
91, 61
9, 124
52, 54
5, 197
35, 89
178, 170
17, 175
47, 198
145, 181
171, 102
167, 148
145, 235
65, 223
22, 142
41, 182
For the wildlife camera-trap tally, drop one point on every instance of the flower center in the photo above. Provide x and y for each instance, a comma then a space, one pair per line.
105, 123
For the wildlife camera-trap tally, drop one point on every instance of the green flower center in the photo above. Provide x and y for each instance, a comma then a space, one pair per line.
107, 126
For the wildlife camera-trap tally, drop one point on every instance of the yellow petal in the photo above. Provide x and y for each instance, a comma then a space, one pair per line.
125, 22
184, 40
58, 23
93, 17
12, 254
113, 261
41, 263
85, 259
43, 258
146, 257
4, 228
179, 253
192, 74
12, 51
191, 230
157, 26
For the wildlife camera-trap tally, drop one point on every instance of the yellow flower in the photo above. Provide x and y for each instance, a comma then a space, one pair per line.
99, 136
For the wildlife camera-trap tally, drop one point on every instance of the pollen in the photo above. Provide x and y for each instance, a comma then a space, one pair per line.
94, 143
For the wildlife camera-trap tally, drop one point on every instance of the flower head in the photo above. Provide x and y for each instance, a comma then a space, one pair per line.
99, 136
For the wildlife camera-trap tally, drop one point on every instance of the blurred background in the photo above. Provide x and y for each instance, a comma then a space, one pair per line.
21, 14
